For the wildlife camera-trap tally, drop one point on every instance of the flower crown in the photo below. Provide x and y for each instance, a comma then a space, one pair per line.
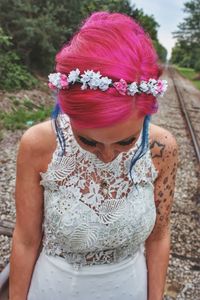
94, 80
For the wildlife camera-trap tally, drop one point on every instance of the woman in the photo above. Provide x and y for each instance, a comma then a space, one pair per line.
95, 190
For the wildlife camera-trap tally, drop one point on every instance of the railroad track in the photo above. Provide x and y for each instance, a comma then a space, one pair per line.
6, 228
4, 275
191, 114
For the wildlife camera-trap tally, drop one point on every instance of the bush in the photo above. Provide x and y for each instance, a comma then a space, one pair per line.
197, 66
21, 117
13, 76
185, 62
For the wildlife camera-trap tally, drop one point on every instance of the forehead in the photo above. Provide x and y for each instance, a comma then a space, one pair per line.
120, 131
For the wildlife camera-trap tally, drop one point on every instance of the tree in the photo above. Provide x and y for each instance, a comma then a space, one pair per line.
12, 74
189, 30
188, 37
40, 27
147, 22
89, 6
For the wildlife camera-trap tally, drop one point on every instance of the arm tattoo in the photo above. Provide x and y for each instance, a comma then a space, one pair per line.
159, 148
166, 155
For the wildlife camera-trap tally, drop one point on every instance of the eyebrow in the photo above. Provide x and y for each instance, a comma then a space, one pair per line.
124, 140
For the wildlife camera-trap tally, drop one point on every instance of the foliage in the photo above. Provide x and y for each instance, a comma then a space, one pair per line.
12, 74
40, 28
177, 54
189, 29
197, 65
89, 6
190, 74
23, 115
187, 49
162, 52
151, 27
148, 22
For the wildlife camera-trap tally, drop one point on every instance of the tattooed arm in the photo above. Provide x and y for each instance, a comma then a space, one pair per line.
164, 155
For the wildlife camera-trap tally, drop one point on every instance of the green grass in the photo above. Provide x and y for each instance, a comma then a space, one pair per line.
189, 74
24, 116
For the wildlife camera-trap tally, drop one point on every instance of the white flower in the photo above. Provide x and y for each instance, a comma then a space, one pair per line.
54, 78
152, 81
73, 76
85, 78
95, 80
104, 83
132, 89
152, 84
143, 87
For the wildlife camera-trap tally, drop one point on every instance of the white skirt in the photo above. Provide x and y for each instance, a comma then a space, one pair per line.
55, 279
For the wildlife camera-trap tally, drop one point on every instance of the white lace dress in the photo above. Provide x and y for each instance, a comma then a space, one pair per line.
96, 220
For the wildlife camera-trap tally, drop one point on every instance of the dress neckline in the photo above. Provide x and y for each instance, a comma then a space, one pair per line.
92, 157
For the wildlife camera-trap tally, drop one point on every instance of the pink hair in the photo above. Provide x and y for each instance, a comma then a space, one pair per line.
118, 47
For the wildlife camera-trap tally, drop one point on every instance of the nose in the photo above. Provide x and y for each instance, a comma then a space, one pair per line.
106, 155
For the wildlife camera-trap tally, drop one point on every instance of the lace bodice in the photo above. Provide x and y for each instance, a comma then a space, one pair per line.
94, 213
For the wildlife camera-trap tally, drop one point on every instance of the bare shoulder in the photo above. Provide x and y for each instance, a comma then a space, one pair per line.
38, 142
35, 147
163, 146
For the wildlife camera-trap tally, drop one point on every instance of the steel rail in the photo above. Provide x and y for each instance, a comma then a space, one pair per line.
186, 116
4, 277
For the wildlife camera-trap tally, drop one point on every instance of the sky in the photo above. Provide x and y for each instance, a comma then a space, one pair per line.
168, 14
